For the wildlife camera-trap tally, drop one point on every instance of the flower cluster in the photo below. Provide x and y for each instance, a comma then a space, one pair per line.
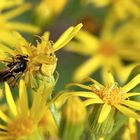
41, 58
35, 104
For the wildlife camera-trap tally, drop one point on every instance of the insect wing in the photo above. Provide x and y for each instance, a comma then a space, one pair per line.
5, 75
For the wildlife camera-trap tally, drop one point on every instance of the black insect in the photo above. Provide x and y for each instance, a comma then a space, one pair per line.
17, 66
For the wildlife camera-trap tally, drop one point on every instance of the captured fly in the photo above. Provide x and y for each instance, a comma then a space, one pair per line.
14, 68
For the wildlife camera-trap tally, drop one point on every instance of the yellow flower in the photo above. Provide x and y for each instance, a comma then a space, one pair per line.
47, 10
21, 120
107, 52
122, 8
110, 95
6, 25
41, 58
4, 4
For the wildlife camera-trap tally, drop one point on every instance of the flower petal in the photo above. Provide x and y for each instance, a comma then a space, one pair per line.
104, 113
92, 101
60, 99
23, 99
5, 52
90, 66
123, 70
135, 81
85, 44
131, 94
132, 104
128, 112
78, 48
66, 37
12, 39
10, 101
108, 77
6, 4
7, 39
22, 27
36, 101
133, 126
17, 11
38, 106
88, 79
3, 127
4, 117
79, 85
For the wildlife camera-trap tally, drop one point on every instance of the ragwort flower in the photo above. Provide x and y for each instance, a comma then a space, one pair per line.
21, 121
107, 52
110, 95
41, 57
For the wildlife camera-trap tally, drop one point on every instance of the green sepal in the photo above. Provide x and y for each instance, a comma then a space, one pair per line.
120, 121
96, 129
69, 131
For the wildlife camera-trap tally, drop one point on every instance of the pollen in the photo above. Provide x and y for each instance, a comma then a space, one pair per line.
20, 127
112, 95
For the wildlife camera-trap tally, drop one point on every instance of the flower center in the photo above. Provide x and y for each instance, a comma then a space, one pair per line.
20, 127
112, 95
107, 49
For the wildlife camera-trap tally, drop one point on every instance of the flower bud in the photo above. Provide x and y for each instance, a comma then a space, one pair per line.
73, 118
100, 129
